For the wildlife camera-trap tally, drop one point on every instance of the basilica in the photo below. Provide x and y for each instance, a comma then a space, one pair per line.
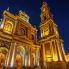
19, 45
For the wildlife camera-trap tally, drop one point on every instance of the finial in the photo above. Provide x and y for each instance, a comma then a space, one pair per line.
0, 19
8, 9
35, 27
43, 0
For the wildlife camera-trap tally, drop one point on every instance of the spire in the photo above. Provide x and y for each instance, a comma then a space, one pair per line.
45, 11
43, 0
8, 9
44, 4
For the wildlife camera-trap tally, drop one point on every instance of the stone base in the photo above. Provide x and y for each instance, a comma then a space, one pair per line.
49, 65
55, 65
67, 65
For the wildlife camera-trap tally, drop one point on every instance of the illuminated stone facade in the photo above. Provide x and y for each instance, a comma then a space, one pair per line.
67, 55
51, 43
18, 37
19, 43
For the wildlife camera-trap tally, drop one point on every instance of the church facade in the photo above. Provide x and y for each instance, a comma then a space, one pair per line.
18, 39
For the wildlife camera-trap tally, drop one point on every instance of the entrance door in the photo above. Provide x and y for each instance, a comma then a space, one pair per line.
18, 61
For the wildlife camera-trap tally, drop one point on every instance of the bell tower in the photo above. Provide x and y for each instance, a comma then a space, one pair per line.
48, 26
45, 12
51, 43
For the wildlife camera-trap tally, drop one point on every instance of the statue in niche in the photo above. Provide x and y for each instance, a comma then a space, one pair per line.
2, 60
18, 62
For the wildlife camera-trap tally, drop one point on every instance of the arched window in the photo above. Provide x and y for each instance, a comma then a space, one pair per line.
22, 31
4, 51
32, 37
21, 51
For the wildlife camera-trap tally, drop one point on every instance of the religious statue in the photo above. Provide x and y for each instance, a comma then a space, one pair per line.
2, 60
18, 62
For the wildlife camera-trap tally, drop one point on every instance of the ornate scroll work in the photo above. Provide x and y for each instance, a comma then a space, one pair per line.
23, 16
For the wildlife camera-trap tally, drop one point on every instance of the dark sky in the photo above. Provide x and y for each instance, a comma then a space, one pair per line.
59, 8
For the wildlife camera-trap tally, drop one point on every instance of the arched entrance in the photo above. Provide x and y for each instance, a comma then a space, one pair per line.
2, 60
21, 55
3, 56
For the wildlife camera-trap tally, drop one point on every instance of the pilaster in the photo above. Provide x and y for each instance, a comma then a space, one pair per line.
11, 56
59, 51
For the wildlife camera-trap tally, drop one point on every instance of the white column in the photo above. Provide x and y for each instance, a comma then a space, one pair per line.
28, 56
37, 57
59, 51
44, 55
63, 52
54, 51
13, 56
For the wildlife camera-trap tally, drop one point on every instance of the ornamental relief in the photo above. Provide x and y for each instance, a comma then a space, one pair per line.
5, 44
22, 30
8, 27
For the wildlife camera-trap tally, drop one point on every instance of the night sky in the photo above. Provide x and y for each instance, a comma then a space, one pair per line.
59, 8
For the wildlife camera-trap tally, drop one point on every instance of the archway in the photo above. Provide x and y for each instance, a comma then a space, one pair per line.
8, 27
3, 56
21, 52
2, 60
